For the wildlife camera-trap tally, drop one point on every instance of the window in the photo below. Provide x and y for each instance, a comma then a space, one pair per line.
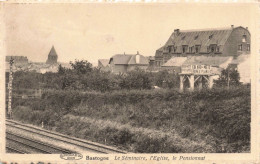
190, 49
240, 47
217, 49
212, 49
244, 39
248, 47
170, 48
183, 38
211, 36
184, 49
197, 49
174, 49
196, 37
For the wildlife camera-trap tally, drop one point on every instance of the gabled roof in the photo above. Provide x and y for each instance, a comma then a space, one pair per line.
104, 62
120, 59
52, 52
208, 60
127, 59
175, 62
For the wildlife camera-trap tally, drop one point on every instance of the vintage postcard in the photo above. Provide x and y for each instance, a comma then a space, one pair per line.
91, 82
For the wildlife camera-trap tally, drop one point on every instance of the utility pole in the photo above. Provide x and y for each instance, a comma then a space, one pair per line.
228, 77
10, 88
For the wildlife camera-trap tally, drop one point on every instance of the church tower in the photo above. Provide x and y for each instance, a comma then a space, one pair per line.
52, 57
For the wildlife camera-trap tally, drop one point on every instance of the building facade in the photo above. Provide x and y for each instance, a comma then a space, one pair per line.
18, 60
232, 41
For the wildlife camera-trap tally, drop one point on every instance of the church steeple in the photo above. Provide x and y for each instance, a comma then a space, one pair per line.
52, 57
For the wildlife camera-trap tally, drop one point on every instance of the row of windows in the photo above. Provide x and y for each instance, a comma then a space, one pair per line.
240, 47
210, 49
194, 49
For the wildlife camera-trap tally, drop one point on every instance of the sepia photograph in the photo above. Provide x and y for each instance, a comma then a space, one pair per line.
106, 78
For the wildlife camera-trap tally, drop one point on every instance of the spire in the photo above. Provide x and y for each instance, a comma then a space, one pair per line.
52, 57
53, 52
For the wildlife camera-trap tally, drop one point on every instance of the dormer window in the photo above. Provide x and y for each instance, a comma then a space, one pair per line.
211, 36
170, 48
196, 37
197, 49
183, 38
244, 39
174, 49
212, 48
184, 48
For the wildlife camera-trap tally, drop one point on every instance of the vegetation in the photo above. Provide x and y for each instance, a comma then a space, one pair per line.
205, 118
82, 76
228, 77
124, 110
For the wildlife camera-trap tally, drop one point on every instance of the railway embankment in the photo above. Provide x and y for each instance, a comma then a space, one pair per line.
149, 121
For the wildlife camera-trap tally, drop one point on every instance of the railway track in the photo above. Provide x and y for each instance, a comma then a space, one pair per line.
86, 145
33, 145
14, 150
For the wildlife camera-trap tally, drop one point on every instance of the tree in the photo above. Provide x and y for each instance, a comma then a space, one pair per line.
228, 77
81, 67
137, 79
61, 70
166, 80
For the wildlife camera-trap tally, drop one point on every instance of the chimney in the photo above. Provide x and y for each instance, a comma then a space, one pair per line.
177, 31
246, 28
137, 58
124, 53
232, 26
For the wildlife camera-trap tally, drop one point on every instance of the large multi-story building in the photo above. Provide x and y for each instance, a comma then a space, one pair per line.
231, 41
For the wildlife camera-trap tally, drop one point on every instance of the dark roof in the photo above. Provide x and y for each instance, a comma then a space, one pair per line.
104, 62
127, 59
52, 52
203, 37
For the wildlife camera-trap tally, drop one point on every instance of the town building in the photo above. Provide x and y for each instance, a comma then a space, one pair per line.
18, 60
232, 41
122, 63
52, 57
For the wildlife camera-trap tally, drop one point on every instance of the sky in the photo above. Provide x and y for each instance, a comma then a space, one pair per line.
99, 31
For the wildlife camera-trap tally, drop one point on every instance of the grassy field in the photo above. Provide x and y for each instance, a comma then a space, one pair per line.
149, 121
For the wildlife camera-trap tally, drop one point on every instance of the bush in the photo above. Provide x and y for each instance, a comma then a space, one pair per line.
228, 77
220, 113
